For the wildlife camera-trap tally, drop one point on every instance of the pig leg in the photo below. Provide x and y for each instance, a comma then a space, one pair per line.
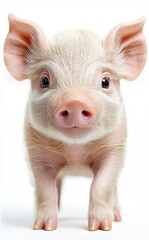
116, 208
102, 196
59, 187
46, 199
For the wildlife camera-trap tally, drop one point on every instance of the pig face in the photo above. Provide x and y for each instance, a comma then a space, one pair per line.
75, 77
75, 94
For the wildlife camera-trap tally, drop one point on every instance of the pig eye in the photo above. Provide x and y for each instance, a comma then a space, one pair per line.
45, 82
105, 82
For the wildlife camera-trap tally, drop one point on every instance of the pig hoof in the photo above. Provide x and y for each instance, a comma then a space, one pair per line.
105, 225
48, 225
117, 216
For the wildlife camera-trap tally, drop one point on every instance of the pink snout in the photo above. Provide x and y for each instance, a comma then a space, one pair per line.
74, 114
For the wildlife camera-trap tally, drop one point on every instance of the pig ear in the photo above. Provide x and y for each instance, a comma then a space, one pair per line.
22, 38
129, 40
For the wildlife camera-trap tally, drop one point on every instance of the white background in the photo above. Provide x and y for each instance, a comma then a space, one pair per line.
16, 188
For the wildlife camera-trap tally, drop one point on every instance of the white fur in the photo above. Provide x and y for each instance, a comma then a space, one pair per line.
96, 132
75, 62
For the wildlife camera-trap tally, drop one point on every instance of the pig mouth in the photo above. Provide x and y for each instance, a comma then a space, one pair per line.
75, 132
76, 135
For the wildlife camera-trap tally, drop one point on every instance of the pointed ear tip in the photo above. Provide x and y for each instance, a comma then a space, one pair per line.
11, 17
142, 20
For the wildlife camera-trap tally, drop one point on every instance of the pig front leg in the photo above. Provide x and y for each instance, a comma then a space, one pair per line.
46, 199
103, 207
116, 208
59, 187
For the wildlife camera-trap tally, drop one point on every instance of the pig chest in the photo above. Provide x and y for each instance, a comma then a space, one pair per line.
77, 163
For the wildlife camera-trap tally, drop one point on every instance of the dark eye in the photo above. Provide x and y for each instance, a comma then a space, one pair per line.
105, 82
45, 82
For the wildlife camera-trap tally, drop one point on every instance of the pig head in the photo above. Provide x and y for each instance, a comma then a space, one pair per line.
75, 120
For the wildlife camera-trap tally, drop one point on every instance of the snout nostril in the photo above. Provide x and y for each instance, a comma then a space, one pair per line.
86, 113
74, 114
64, 113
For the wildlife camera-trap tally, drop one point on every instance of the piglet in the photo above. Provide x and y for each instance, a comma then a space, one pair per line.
75, 120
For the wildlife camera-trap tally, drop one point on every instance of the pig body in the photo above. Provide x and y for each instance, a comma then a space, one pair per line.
75, 119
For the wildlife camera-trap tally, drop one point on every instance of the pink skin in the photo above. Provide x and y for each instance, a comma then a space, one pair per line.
75, 125
74, 113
